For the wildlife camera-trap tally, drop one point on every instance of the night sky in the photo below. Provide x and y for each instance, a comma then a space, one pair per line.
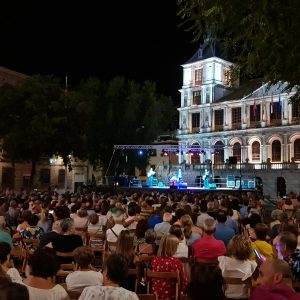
140, 40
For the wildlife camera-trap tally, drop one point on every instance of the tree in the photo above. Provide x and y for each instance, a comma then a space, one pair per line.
39, 119
261, 36
123, 112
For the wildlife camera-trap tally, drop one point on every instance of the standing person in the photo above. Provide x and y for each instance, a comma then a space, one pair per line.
114, 274
165, 262
223, 232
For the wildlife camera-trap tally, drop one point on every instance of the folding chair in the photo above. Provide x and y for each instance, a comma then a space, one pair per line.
238, 281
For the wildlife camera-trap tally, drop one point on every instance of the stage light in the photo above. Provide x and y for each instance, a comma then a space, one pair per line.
141, 152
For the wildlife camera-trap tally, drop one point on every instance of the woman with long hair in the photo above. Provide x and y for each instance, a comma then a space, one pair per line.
166, 262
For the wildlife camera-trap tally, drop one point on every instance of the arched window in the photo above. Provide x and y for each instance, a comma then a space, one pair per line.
276, 151
297, 149
256, 151
236, 151
219, 152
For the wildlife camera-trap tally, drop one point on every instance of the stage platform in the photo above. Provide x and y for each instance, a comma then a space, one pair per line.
164, 189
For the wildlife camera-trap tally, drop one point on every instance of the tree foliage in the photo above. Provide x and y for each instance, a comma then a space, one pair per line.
39, 118
124, 112
261, 36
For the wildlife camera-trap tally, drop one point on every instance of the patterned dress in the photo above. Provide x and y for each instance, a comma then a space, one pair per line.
166, 288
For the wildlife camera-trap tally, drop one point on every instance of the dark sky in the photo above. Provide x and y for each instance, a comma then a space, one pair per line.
140, 40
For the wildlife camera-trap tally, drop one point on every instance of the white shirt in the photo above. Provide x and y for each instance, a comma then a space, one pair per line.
14, 275
78, 280
56, 293
182, 249
107, 293
110, 236
232, 267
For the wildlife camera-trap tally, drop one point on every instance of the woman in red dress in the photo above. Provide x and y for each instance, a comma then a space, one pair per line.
165, 262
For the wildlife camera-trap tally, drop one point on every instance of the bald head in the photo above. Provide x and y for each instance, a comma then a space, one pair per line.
272, 272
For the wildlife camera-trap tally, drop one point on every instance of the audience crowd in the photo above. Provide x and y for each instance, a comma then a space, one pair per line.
124, 244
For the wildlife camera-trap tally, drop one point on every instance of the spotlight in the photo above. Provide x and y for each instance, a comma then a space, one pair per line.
141, 152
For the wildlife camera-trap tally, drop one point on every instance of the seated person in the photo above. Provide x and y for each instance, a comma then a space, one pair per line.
274, 282
208, 248
182, 249
13, 273
286, 246
114, 274
85, 275
149, 246
237, 265
206, 283
43, 266
11, 290
260, 244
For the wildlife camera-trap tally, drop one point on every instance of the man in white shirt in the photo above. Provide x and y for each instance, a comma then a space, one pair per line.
114, 274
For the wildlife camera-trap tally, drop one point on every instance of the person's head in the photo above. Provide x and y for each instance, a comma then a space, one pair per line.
203, 207
209, 226
141, 228
83, 256
276, 214
25, 214
82, 213
187, 224
206, 281
168, 245
150, 236
4, 252
272, 272
177, 231
261, 231
66, 225
43, 263
115, 270
61, 212
285, 243
11, 290
221, 217
239, 247
254, 219
118, 215
167, 217
33, 220
94, 219
125, 244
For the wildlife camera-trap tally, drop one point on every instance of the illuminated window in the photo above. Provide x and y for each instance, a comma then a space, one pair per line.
226, 77
198, 76
256, 151
219, 117
276, 151
197, 97
236, 115
297, 149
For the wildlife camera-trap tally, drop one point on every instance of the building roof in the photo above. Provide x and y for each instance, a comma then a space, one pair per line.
209, 48
254, 88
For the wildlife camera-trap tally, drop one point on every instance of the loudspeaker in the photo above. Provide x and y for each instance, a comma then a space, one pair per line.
232, 160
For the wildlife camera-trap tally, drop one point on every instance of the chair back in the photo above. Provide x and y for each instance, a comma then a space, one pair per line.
134, 272
163, 275
206, 262
238, 281
147, 297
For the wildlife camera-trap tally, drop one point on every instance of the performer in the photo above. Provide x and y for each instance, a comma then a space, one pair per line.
179, 175
150, 175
